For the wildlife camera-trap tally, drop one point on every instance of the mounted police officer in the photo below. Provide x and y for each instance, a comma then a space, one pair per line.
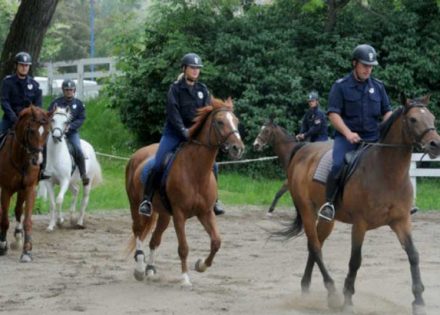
356, 104
185, 96
18, 92
77, 117
314, 123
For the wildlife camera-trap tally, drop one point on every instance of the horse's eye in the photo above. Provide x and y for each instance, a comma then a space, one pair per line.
413, 120
220, 123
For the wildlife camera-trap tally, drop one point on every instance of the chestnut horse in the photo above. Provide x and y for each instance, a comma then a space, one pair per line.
191, 187
282, 143
20, 159
378, 193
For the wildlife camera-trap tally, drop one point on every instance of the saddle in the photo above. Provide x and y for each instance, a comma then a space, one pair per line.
351, 161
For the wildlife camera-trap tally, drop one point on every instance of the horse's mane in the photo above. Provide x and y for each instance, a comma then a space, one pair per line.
284, 130
386, 125
203, 113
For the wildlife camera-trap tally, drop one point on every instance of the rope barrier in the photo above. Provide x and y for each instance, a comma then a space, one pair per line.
219, 163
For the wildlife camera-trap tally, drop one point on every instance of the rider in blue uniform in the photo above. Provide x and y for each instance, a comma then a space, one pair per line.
185, 96
314, 124
77, 117
18, 91
356, 104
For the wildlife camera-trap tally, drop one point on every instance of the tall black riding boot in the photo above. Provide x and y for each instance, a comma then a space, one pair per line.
42, 175
218, 209
327, 210
79, 160
145, 206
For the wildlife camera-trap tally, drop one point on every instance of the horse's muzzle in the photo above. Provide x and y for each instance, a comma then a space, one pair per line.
234, 151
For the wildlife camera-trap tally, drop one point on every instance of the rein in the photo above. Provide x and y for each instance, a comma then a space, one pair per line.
214, 126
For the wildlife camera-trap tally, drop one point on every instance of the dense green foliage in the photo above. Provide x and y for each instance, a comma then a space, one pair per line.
268, 57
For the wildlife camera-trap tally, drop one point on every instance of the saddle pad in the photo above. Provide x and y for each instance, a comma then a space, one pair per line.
324, 167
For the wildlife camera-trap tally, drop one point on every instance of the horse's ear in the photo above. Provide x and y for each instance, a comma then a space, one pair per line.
272, 117
228, 102
425, 99
403, 99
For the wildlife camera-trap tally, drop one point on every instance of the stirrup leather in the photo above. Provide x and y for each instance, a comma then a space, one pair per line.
327, 211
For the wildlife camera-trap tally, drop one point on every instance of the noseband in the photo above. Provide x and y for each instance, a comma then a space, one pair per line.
62, 131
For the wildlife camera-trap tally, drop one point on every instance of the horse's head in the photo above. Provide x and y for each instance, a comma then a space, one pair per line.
220, 126
266, 135
419, 126
31, 131
60, 123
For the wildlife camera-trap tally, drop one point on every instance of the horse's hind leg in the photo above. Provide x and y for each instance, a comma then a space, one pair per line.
156, 239
357, 238
403, 232
278, 195
209, 223
324, 230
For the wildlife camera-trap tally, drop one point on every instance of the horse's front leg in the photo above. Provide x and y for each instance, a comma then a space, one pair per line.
357, 239
26, 256
179, 226
18, 232
52, 205
209, 223
64, 185
403, 232
4, 220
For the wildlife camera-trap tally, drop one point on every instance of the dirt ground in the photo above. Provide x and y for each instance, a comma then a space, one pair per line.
87, 271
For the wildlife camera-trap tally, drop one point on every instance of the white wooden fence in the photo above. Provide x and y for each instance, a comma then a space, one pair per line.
83, 74
415, 172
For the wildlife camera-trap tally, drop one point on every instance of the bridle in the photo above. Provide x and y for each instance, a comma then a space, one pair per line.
62, 131
214, 127
272, 136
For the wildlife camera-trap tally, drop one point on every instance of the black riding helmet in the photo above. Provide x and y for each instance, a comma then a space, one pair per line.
192, 60
365, 54
68, 84
23, 58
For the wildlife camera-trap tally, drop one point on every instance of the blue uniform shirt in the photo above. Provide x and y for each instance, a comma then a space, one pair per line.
182, 104
314, 125
17, 94
360, 104
77, 112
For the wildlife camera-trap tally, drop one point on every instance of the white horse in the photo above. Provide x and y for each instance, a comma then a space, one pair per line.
59, 165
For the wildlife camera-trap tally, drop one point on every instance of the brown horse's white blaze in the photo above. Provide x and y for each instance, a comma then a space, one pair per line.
191, 187
378, 193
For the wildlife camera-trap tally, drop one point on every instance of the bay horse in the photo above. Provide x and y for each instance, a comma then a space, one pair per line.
59, 165
20, 159
282, 143
190, 186
378, 193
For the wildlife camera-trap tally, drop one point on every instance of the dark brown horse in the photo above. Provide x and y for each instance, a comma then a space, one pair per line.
191, 187
378, 193
20, 159
282, 143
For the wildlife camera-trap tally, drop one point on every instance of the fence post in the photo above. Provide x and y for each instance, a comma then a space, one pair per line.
49, 78
80, 87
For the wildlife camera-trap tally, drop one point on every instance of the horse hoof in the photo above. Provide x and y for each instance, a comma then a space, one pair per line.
418, 309
150, 271
26, 257
186, 283
3, 248
139, 275
60, 221
17, 244
201, 266
347, 309
334, 302
269, 214
79, 226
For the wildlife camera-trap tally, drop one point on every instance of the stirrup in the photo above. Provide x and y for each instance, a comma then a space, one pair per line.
218, 209
85, 180
327, 212
145, 208
43, 176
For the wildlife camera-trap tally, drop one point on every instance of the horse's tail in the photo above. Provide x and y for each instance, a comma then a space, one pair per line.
290, 229
150, 223
97, 178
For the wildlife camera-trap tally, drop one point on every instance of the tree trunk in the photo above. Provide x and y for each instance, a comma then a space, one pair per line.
27, 32
333, 7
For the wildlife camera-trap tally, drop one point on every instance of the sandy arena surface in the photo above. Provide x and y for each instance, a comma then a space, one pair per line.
87, 271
